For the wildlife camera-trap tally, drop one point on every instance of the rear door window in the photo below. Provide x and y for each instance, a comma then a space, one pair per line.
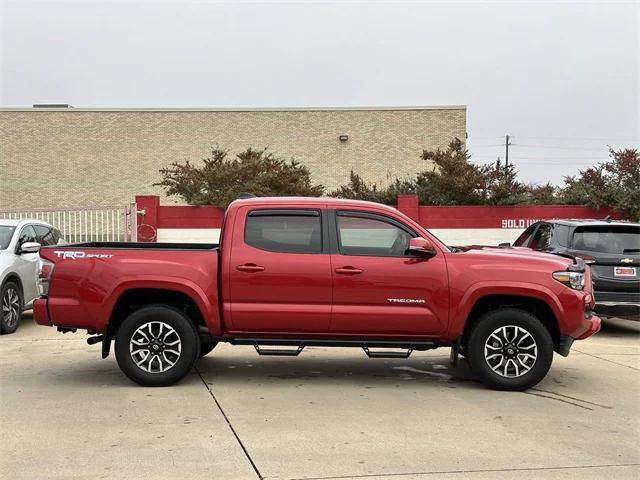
525, 236
288, 231
542, 238
616, 239
58, 238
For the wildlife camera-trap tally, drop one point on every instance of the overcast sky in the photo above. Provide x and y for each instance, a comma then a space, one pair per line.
561, 78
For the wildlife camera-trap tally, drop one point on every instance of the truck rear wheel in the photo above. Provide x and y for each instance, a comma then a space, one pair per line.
510, 349
157, 346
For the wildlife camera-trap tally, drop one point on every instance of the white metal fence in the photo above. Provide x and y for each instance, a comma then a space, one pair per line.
99, 224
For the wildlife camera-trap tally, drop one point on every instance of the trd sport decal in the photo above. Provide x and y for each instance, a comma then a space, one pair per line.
78, 255
405, 300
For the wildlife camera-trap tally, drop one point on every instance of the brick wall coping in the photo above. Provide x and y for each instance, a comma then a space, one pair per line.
236, 109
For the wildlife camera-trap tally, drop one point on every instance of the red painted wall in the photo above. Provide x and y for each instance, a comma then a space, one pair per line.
485, 216
468, 216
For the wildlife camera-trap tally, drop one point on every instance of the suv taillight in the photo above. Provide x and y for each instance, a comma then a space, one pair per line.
45, 270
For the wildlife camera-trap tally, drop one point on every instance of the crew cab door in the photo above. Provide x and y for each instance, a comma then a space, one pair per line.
279, 272
379, 289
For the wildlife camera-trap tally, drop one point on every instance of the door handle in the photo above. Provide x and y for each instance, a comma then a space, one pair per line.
250, 267
348, 271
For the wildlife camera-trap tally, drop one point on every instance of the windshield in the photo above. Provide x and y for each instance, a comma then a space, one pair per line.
5, 236
617, 239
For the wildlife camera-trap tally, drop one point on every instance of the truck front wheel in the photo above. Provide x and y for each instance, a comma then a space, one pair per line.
509, 349
157, 346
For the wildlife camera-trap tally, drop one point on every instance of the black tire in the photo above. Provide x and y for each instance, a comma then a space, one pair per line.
513, 355
12, 303
206, 347
160, 319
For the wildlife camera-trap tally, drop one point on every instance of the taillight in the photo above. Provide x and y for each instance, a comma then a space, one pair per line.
45, 270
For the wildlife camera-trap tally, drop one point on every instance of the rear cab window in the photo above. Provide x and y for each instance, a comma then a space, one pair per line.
285, 231
615, 239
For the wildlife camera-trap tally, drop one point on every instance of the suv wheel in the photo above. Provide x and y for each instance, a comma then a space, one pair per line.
157, 346
12, 305
510, 349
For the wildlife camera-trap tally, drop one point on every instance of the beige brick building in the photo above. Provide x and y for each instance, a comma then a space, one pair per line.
84, 157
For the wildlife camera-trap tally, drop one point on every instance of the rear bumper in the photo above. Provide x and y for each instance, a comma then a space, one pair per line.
617, 304
40, 312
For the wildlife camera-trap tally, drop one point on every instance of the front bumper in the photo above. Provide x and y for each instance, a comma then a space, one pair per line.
566, 341
594, 328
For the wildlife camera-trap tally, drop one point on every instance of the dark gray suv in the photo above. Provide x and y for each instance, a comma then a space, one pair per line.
612, 248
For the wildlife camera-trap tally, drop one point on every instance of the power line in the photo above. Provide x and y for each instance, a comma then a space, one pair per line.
582, 138
565, 138
551, 159
561, 147
492, 145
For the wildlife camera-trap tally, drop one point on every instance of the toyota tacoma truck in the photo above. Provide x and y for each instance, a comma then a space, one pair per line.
290, 273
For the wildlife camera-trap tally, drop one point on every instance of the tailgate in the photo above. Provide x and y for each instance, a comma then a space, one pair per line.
614, 254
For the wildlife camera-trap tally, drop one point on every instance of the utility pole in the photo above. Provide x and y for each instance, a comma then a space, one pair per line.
506, 152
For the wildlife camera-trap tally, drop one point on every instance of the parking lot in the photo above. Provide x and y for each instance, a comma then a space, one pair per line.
328, 414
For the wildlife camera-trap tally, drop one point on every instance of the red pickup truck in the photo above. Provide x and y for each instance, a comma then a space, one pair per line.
296, 272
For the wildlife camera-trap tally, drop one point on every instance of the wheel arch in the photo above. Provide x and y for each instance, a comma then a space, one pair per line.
133, 296
14, 277
531, 304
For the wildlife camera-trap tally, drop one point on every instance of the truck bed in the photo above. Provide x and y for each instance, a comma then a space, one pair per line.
145, 245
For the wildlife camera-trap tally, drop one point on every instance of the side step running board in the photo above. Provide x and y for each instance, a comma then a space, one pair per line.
387, 354
278, 352
278, 346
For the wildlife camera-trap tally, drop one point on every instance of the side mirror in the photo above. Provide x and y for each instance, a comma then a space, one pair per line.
421, 247
29, 247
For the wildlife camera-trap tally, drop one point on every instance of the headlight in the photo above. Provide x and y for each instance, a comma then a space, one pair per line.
573, 280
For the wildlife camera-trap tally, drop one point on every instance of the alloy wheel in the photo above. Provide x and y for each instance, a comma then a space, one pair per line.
155, 347
11, 307
511, 351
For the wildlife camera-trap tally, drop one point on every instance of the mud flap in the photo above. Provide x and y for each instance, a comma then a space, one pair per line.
106, 344
455, 350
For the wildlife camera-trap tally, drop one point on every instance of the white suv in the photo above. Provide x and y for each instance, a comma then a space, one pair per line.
20, 242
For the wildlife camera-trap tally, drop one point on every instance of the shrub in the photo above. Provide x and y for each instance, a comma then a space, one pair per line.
358, 189
614, 183
454, 180
220, 180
